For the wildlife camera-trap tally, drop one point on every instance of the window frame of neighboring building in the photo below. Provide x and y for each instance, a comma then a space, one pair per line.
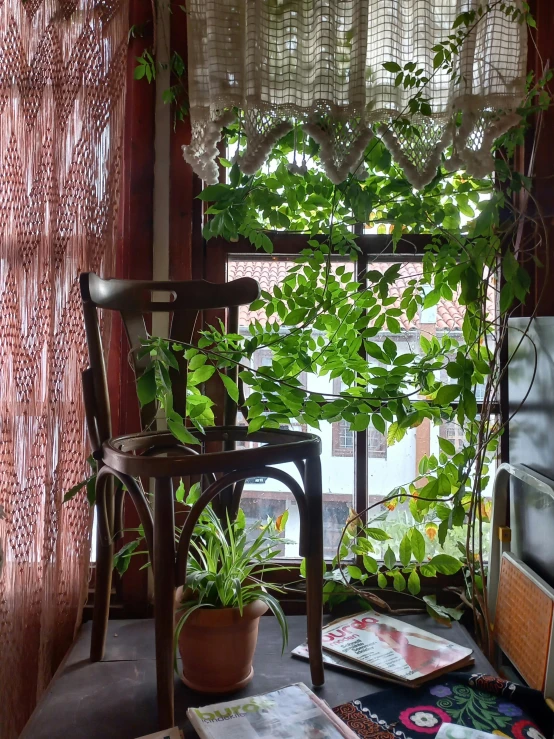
376, 441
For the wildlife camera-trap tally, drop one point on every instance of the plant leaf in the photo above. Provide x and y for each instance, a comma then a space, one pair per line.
446, 564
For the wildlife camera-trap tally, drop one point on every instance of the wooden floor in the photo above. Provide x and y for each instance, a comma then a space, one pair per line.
116, 698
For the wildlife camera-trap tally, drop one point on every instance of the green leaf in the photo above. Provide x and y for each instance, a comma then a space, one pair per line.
231, 387
377, 534
298, 315
389, 347
197, 361
354, 572
72, 492
379, 423
303, 568
122, 558
428, 570
91, 490
381, 580
418, 544
146, 386
405, 550
202, 374
470, 405
447, 394
392, 67
360, 422
510, 266
194, 493
213, 193
445, 564
447, 446
443, 611
255, 424
506, 297
180, 492
414, 584
181, 433
398, 581
371, 564
389, 559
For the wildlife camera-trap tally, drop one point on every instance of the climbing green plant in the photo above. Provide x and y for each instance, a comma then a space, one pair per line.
327, 319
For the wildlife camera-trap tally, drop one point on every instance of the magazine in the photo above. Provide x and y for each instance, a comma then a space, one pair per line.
394, 647
174, 733
293, 712
455, 731
342, 663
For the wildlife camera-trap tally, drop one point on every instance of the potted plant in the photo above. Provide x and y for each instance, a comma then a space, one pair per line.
217, 611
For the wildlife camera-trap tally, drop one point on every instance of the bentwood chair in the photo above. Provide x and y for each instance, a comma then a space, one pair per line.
158, 455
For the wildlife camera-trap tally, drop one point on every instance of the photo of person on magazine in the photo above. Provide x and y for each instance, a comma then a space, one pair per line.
419, 658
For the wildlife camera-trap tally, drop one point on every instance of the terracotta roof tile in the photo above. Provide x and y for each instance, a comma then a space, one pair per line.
270, 272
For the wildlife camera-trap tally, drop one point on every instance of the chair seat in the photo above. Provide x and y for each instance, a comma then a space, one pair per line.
139, 454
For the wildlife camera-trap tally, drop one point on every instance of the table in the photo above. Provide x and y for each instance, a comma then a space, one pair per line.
116, 698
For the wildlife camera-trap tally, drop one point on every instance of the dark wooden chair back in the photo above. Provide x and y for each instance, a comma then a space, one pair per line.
134, 300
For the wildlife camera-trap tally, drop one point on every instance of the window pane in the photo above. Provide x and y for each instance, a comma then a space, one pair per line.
266, 497
401, 462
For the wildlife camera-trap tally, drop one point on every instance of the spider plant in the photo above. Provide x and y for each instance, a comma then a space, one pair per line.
226, 566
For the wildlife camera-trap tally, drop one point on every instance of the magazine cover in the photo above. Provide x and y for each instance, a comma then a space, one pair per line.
293, 712
342, 663
393, 646
174, 733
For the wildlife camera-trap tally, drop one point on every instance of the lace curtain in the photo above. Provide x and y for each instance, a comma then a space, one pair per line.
320, 63
62, 75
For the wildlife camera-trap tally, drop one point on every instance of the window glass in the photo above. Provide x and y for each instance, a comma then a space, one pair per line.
266, 497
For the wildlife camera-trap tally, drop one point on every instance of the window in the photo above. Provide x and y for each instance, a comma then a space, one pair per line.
387, 467
453, 432
343, 440
343, 437
376, 444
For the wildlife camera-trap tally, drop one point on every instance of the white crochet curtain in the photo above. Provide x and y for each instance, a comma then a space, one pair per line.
320, 63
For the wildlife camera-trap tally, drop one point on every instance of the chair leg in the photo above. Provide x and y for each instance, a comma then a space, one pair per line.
164, 593
103, 571
314, 569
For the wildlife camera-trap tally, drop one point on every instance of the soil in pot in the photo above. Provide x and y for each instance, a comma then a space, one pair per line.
217, 647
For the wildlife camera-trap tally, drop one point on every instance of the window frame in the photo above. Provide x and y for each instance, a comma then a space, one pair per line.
373, 247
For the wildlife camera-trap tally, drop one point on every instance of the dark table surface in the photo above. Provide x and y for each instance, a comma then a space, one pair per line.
116, 698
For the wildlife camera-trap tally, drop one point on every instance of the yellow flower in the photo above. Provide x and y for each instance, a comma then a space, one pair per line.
431, 529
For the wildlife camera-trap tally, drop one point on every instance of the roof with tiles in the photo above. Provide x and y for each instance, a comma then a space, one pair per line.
270, 272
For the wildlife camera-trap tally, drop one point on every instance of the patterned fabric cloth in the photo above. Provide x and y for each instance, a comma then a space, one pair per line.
477, 701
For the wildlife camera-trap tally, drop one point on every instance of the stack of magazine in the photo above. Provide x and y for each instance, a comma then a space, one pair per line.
293, 712
381, 647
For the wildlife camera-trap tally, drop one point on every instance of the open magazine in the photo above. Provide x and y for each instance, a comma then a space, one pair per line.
293, 712
394, 648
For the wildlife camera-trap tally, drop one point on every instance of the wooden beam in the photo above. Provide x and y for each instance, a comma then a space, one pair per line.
541, 52
290, 244
134, 262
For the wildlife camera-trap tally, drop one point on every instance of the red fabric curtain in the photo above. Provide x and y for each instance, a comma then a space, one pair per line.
62, 79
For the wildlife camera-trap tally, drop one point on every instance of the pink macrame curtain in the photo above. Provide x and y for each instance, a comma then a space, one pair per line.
62, 79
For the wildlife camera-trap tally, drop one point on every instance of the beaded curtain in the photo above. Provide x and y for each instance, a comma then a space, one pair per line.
62, 79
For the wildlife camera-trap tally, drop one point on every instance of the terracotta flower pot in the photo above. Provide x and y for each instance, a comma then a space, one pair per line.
217, 647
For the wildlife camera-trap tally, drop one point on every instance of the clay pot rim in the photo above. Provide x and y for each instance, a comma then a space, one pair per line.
210, 616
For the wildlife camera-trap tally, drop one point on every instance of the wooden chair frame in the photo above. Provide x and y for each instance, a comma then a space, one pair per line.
158, 455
